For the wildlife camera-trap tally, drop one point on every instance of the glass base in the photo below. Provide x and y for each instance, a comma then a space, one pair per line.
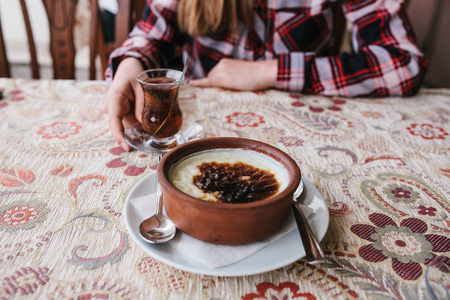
139, 139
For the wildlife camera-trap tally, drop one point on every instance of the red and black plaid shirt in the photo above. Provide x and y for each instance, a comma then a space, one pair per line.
386, 60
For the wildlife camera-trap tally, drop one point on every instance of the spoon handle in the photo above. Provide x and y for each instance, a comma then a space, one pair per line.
185, 65
159, 203
312, 248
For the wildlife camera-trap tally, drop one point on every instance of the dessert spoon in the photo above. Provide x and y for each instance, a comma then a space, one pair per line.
314, 252
158, 228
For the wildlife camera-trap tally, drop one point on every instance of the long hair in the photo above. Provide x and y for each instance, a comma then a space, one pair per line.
202, 17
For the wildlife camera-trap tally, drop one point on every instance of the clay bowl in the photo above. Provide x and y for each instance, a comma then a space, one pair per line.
227, 223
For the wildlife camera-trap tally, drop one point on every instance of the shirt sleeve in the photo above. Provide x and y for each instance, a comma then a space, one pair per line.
386, 60
152, 40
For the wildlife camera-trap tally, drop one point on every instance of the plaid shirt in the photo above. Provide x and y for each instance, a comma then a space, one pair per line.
386, 60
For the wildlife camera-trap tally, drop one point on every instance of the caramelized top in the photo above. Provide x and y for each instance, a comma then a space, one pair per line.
237, 182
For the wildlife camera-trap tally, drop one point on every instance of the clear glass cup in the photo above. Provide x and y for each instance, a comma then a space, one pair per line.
162, 118
163, 126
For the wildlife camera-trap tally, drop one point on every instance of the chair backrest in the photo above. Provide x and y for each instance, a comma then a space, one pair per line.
129, 12
61, 21
4, 65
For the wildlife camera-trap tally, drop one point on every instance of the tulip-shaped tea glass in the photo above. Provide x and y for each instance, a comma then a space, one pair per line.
162, 125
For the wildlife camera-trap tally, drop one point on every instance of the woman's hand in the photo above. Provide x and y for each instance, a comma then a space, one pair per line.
241, 75
124, 100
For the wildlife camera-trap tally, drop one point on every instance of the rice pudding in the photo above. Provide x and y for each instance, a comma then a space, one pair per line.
229, 175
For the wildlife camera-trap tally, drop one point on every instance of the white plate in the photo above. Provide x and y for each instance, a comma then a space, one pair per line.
283, 252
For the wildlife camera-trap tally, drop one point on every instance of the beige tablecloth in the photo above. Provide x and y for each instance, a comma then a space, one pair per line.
382, 166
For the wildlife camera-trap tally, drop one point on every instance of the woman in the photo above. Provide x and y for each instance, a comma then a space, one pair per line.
262, 44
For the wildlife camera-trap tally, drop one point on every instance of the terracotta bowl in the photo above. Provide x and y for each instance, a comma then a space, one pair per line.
227, 223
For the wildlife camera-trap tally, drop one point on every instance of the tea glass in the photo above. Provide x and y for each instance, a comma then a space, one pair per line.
162, 125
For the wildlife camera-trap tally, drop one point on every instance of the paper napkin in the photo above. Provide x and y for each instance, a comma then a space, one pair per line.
211, 255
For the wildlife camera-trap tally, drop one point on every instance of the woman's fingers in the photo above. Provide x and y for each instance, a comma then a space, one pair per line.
124, 98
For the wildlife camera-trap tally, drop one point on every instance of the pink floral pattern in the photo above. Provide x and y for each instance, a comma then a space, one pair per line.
284, 290
96, 89
407, 245
59, 130
136, 162
16, 176
430, 211
279, 135
25, 281
318, 104
248, 119
14, 95
22, 215
62, 170
160, 277
427, 131
371, 114
401, 193
19, 215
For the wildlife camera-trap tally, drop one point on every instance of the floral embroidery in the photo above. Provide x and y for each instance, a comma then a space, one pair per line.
426, 210
285, 290
136, 162
290, 141
95, 89
371, 114
59, 130
163, 278
91, 263
445, 172
97, 287
407, 245
273, 131
373, 143
318, 104
30, 112
427, 131
15, 96
402, 193
62, 170
15, 177
278, 134
26, 281
22, 215
245, 119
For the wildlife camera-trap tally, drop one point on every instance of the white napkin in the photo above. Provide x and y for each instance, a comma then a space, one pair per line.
211, 255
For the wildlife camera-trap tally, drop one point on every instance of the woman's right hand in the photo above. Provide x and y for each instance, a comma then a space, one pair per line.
124, 100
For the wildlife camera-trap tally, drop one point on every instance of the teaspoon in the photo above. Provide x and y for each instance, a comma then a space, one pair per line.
158, 228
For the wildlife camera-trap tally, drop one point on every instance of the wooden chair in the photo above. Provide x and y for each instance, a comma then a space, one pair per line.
61, 19
129, 12
4, 65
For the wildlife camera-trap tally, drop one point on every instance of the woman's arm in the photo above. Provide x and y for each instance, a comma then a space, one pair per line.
152, 40
386, 61
150, 45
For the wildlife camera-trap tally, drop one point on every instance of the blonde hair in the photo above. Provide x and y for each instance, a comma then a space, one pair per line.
202, 17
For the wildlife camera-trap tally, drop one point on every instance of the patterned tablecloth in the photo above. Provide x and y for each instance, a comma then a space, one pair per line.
382, 166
